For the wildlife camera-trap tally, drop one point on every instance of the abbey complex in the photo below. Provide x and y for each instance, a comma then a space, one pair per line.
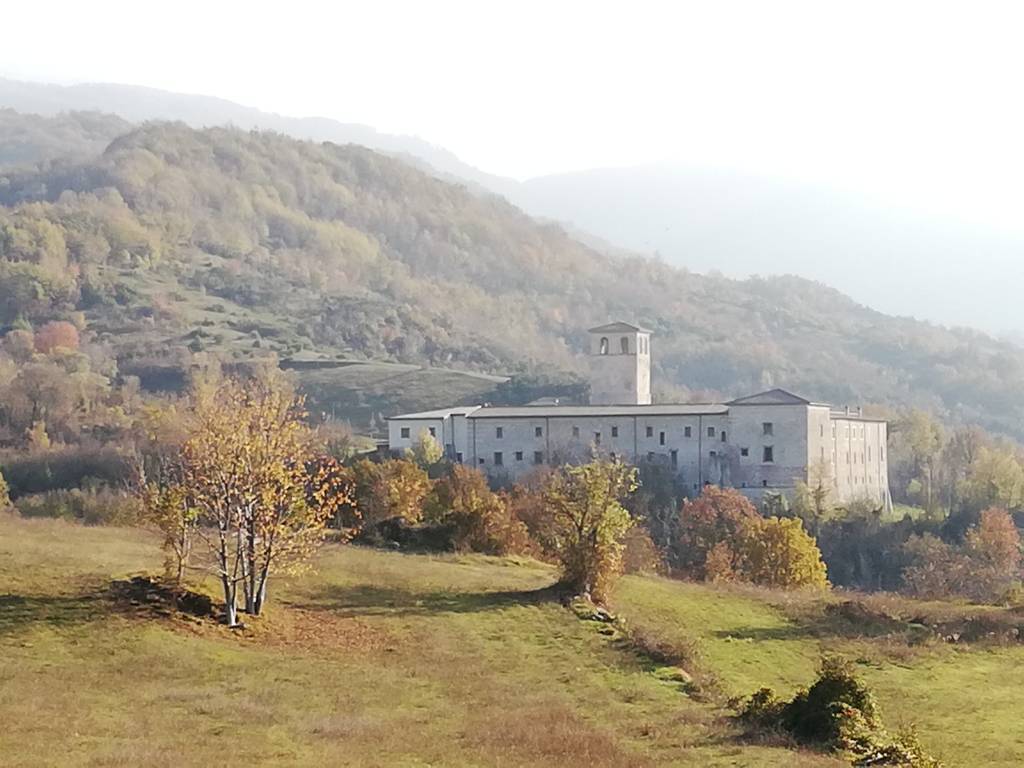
763, 443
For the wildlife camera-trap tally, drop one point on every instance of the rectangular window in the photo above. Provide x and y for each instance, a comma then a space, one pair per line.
538, 457
723, 437
538, 431
650, 431
822, 429
498, 459
575, 431
744, 451
767, 428
650, 455
768, 455
661, 438
687, 431
433, 431
499, 432
519, 455
711, 431
458, 457
597, 438
615, 431
675, 458
405, 431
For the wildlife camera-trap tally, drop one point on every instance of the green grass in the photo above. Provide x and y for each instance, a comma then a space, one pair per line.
963, 699
382, 659
377, 659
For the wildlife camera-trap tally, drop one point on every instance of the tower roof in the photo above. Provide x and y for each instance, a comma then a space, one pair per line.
618, 327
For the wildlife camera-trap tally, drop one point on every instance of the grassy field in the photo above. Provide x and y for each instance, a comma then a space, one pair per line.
384, 659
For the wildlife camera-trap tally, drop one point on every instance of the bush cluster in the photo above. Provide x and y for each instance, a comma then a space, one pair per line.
100, 506
838, 713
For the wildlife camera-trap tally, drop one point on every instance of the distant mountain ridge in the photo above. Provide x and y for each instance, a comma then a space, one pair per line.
138, 104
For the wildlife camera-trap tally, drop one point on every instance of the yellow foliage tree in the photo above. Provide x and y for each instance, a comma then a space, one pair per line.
390, 489
778, 552
247, 474
480, 520
425, 450
585, 523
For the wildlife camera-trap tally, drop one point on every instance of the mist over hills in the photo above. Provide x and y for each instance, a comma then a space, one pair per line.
898, 261
176, 241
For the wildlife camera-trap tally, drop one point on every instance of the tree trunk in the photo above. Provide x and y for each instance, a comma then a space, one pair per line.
261, 592
230, 608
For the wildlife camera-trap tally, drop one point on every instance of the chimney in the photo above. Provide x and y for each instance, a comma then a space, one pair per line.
847, 408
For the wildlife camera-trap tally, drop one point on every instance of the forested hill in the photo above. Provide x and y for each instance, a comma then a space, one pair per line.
176, 240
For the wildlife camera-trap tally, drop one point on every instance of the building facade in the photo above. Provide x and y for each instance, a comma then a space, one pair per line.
764, 443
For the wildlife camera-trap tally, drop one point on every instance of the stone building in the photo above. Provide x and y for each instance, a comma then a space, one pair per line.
763, 443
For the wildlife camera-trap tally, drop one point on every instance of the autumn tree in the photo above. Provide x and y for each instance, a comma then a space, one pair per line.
709, 532
585, 523
778, 552
480, 520
425, 450
247, 471
982, 568
994, 478
390, 489
20, 344
993, 547
56, 334
813, 500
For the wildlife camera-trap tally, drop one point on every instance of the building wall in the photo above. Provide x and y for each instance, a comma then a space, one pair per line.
780, 429
860, 460
399, 440
697, 456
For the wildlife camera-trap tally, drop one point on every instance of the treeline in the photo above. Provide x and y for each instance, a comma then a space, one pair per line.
177, 240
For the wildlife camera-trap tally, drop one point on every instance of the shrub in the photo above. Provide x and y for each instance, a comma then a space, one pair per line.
5, 498
839, 713
640, 554
479, 520
64, 468
984, 567
585, 523
393, 488
92, 507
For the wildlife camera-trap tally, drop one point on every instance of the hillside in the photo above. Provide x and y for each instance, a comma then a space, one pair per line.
176, 242
138, 104
896, 260
380, 658
27, 140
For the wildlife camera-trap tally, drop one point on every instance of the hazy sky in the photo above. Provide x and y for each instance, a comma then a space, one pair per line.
917, 102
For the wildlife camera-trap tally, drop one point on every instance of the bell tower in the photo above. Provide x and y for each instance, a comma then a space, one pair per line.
620, 365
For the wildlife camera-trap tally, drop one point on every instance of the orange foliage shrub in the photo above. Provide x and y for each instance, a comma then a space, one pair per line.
56, 334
